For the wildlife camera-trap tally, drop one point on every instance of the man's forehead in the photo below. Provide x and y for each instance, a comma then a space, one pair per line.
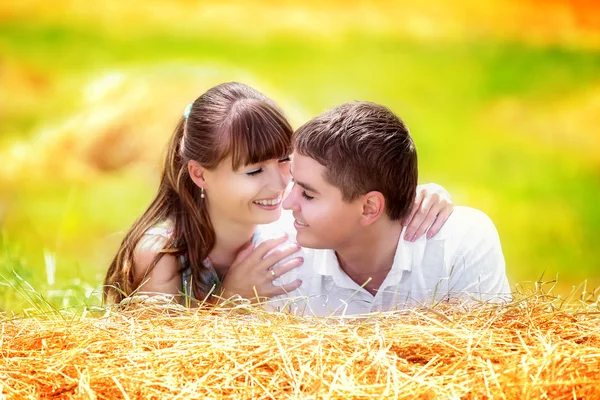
301, 164
308, 173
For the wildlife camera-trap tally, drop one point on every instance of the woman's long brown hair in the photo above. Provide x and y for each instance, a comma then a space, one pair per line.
230, 119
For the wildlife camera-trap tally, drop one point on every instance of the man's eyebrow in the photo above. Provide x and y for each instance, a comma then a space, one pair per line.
306, 186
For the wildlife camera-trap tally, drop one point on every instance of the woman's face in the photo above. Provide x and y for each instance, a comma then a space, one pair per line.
250, 195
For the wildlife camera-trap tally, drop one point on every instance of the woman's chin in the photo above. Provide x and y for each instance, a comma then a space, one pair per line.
267, 217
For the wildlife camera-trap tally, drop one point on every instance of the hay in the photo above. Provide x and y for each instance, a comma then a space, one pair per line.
536, 347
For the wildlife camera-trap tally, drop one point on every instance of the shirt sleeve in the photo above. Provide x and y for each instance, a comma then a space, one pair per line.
478, 269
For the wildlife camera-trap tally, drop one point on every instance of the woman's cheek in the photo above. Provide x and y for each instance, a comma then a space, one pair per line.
240, 188
286, 174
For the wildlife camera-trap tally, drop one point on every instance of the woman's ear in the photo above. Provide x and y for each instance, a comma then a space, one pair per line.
196, 172
373, 207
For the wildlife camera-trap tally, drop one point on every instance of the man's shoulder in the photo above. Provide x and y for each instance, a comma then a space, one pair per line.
464, 221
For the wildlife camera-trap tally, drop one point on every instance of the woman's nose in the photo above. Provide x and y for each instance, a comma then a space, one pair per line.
279, 181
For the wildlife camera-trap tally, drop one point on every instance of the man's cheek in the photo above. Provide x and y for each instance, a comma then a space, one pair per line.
325, 225
318, 218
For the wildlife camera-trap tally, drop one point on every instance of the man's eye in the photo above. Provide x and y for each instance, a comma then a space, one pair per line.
254, 172
285, 159
307, 197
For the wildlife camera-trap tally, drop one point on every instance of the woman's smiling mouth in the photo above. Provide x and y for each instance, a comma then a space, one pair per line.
268, 204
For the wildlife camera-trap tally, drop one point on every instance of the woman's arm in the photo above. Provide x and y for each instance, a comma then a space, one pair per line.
432, 207
164, 278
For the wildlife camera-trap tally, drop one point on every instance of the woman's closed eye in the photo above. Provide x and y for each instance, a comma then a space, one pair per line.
254, 172
257, 171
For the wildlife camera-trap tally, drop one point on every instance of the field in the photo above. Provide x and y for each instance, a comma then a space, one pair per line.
502, 98
502, 101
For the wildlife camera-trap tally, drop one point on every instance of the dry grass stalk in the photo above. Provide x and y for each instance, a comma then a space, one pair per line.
532, 348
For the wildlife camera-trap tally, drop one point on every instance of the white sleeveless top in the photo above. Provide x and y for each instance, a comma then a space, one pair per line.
210, 281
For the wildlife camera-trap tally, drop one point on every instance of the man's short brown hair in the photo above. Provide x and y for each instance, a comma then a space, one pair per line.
364, 147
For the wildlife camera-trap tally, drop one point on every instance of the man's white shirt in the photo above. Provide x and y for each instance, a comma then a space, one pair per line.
463, 261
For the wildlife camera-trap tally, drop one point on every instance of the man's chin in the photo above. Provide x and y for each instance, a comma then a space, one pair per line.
309, 241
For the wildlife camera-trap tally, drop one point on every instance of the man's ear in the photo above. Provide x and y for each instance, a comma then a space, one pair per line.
196, 172
373, 207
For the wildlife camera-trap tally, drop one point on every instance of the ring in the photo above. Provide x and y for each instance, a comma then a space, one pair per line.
273, 274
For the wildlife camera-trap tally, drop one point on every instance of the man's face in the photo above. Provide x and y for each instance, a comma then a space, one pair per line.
323, 220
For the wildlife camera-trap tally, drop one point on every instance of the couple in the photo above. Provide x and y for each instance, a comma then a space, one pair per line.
209, 232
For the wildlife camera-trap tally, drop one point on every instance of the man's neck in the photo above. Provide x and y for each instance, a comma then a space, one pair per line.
231, 237
371, 253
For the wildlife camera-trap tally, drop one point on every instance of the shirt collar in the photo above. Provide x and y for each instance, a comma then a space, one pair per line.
403, 259
326, 262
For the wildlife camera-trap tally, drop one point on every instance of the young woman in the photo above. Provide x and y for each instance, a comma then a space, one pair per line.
225, 175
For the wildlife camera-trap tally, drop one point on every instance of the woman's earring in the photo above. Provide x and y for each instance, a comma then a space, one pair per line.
201, 193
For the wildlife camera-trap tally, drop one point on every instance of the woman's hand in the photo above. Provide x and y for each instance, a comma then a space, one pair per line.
253, 271
431, 209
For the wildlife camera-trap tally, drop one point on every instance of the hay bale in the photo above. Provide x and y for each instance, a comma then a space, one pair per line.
532, 348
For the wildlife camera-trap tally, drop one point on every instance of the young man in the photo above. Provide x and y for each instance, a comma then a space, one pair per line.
355, 176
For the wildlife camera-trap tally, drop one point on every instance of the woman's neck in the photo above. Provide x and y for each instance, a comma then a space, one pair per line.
231, 237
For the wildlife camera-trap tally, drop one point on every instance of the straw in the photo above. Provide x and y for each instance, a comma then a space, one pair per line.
535, 347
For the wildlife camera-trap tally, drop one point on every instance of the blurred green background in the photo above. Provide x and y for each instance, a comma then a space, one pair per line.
503, 100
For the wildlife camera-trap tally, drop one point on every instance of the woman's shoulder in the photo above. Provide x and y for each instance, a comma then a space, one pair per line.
150, 245
162, 229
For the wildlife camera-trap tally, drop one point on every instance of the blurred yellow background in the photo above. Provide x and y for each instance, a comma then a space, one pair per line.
502, 98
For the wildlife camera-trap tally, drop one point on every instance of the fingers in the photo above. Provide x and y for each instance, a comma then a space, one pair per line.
257, 254
286, 267
429, 219
439, 222
415, 207
412, 231
279, 254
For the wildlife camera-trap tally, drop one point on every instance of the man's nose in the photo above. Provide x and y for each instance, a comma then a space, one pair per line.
290, 203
